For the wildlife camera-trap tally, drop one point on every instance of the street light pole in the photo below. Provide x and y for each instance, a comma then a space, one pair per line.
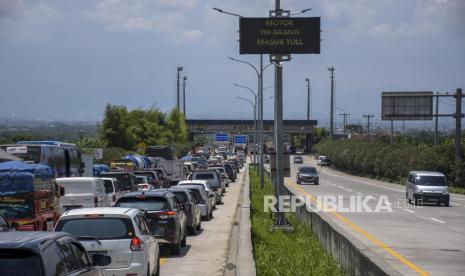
331, 116
256, 124
368, 116
178, 102
260, 108
307, 135
254, 106
184, 96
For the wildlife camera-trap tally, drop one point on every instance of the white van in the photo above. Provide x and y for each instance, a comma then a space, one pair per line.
83, 192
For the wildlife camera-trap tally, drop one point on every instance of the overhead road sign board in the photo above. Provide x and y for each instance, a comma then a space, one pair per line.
240, 139
399, 106
279, 35
222, 138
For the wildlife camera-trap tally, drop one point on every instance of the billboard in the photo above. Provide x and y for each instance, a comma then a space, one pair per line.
407, 106
279, 35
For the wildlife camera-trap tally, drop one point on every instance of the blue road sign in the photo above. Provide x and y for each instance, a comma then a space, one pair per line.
240, 139
222, 137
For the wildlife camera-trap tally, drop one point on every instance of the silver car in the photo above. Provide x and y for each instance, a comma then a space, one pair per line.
203, 201
426, 186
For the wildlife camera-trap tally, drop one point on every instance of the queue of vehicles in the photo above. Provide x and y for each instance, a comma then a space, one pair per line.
110, 224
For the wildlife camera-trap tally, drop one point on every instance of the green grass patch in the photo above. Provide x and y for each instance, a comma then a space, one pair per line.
457, 190
281, 253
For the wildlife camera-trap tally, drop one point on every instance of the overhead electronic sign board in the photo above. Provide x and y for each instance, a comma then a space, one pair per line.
279, 35
407, 106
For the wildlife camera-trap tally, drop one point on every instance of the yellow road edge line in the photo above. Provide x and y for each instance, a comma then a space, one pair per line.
370, 237
162, 261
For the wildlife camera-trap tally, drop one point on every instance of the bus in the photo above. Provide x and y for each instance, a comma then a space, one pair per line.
63, 158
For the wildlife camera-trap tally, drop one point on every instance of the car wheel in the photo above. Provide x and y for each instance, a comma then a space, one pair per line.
184, 240
176, 248
317, 183
192, 230
298, 181
199, 226
446, 204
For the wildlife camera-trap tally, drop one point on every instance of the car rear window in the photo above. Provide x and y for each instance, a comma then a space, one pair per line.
203, 176
181, 196
198, 197
308, 170
144, 203
103, 228
19, 262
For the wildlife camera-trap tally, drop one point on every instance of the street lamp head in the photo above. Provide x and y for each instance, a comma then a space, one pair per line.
218, 10
307, 79
180, 68
185, 78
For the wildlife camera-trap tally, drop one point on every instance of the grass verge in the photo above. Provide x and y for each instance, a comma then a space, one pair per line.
280, 253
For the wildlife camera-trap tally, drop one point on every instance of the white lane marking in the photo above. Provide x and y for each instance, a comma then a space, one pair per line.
364, 182
455, 204
350, 190
333, 184
359, 193
459, 198
438, 220
409, 210
371, 197
342, 187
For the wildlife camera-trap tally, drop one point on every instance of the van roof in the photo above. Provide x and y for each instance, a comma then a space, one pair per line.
427, 173
77, 179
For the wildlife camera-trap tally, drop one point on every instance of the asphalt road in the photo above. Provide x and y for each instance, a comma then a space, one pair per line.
414, 240
206, 252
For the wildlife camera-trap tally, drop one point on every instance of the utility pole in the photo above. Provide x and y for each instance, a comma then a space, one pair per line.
368, 116
178, 102
436, 120
331, 116
458, 124
344, 121
184, 96
392, 132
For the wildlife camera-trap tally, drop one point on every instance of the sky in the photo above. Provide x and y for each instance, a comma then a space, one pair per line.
66, 59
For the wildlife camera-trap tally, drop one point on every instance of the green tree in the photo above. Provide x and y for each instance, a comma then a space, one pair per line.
116, 128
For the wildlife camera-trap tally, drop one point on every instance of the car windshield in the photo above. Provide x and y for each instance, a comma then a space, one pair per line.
19, 262
431, 181
103, 228
141, 180
308, 170
145, 203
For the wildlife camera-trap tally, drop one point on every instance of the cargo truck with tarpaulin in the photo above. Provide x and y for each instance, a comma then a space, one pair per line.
29, 195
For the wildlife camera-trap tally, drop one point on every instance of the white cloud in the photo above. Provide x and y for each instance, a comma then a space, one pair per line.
192, 34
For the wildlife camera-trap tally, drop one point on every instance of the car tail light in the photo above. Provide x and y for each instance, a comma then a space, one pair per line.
167, 214
26, 227
136, 244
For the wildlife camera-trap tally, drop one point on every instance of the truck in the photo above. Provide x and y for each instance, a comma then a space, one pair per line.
162, 157
29, 196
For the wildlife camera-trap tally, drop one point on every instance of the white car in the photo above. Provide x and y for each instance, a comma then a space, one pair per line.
121, 233
204, 183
